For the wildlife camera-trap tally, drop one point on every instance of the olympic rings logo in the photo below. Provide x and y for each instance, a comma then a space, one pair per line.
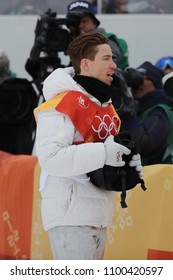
106, 126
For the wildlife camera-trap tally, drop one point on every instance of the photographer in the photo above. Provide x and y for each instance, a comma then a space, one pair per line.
88, 22
53, 35
152, 127
83, 12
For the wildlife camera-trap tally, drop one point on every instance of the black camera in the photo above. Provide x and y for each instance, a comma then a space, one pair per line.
133, 77
168, 84
52, 35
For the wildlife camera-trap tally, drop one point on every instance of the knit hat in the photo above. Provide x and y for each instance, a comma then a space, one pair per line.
152, 73
81, 8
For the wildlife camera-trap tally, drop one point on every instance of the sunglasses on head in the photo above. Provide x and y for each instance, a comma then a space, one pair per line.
165, 62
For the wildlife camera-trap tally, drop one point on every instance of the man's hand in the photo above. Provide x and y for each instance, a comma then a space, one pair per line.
114, 152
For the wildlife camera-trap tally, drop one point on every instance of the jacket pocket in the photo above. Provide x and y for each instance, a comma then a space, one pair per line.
57, 199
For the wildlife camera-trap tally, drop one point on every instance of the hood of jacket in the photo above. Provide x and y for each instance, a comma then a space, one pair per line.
59, 81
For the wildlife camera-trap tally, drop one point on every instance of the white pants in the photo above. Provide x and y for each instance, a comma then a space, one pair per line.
77, 242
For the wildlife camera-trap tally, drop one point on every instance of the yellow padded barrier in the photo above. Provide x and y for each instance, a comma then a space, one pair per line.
142, 231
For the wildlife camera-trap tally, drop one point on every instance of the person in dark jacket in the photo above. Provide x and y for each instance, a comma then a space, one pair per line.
151, 128
84, 14
84, 10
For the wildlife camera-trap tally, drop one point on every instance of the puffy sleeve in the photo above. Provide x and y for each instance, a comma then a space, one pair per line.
57, 154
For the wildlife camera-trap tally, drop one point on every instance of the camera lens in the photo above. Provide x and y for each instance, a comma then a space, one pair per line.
168, 84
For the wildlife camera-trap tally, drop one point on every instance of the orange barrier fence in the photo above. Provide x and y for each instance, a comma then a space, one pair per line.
142, 231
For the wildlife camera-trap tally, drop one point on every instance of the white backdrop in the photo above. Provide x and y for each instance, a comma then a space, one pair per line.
149, 37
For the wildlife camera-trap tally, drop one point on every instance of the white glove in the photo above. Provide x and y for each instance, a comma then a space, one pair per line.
114, 152
136, 162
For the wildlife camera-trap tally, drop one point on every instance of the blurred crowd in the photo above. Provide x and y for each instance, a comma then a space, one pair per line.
105, 6
137, 6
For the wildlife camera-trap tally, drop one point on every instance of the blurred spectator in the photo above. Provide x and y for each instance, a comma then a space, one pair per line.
26, 7
142, 7
94, 5
121, 6
152, 127
165, 6
89, 23
121, 96
150, 6
5, 71
137, 6
115, 6
165, 64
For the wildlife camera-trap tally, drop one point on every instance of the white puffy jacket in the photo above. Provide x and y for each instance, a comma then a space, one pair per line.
68, 196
